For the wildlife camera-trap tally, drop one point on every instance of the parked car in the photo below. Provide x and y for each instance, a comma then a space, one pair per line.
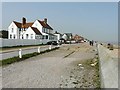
49, 43
52, 43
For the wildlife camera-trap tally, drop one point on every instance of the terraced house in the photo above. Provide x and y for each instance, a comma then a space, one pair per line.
31, 30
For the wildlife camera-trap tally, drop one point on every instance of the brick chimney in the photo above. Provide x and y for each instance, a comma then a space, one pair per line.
23, 21
45, 20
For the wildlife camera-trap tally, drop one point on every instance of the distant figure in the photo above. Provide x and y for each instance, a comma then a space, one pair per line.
91, 43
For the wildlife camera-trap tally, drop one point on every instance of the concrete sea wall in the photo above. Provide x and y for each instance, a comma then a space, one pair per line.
108, 68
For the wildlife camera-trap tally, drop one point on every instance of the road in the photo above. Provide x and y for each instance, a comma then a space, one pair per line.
14, 52
67, 67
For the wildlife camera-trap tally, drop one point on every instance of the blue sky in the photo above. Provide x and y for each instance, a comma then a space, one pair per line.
95, 21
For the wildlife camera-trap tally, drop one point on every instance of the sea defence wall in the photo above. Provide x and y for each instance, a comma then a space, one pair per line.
108, 65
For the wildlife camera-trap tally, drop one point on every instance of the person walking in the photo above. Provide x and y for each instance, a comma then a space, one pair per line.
92, 42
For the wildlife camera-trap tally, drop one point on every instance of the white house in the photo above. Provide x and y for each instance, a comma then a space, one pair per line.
17, 29
59, 35
31, 30
45, 29
32, 33
67, 36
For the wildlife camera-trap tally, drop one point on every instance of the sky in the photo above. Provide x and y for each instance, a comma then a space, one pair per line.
92, 20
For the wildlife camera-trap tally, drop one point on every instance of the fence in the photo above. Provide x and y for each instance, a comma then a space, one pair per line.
19, 52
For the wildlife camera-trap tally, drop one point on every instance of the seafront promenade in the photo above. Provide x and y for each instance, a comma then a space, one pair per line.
70, 66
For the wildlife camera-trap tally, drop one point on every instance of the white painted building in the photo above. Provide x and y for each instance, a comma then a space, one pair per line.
64, 36
59, 36
31, 30
13, 31
45, 29
32, 33
67, 36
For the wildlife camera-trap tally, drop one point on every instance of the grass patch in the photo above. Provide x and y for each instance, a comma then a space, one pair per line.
26, 56
8, 47
96, 80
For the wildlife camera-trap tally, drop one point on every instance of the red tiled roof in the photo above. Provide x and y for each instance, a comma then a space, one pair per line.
36, 31
45, 25
19, 25
28, 25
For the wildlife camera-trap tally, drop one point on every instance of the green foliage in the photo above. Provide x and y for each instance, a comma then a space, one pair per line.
3, 34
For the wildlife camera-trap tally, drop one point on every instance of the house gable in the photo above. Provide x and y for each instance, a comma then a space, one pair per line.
31, 31
13, 31
37, 25
45, 25
36, 31
12, 25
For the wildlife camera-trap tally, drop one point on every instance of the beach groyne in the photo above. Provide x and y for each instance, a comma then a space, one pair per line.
108, 65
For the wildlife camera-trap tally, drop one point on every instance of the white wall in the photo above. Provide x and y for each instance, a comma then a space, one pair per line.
18, 42
29, 31
58, 36
37, 25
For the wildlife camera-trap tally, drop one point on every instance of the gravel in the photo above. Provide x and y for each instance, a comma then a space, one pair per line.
52, 70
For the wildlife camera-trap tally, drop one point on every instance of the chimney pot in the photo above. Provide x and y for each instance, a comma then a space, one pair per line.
23, 21
45, 20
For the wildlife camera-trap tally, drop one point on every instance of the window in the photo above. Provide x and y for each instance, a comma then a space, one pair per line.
37, 37
14, 36
46, 37
42, 37
12, 30
31, 36
19, 29
26, 36
10, 36
22, 36
44, 30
